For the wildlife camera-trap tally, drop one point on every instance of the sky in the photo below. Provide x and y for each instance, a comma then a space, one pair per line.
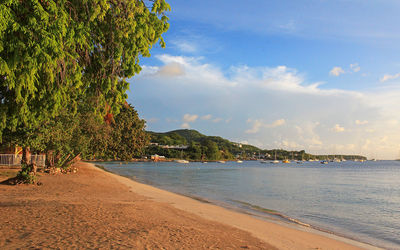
318, 75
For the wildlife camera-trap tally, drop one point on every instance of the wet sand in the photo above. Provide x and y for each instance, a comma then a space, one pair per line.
97, 209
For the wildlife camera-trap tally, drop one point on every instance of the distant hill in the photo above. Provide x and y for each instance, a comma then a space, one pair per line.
203, 147
200, 146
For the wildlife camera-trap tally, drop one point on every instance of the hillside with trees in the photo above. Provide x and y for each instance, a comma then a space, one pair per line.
192, 145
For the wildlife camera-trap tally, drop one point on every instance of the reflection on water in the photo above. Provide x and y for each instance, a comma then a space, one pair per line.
359, 200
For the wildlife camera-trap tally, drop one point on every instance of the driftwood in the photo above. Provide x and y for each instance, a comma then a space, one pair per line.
69, 165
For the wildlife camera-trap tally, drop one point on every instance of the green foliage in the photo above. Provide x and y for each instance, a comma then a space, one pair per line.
169, 138
26, 175
194, 151
56, 54
202, 147
128, 135
211, 149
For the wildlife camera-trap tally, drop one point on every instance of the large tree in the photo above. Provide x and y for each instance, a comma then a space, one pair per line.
128, 137
57, 53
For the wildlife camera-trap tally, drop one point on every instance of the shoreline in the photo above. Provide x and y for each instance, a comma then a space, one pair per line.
92, 209
249, 222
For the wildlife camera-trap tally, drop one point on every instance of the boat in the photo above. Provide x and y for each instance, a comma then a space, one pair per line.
275, 161
263, 161
182, 161
221, 161
239, 161
324, 162
286, 161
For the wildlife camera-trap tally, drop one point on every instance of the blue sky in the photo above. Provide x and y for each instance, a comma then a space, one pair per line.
318, 75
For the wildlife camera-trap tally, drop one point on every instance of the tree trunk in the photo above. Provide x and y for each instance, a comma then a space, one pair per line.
24, 159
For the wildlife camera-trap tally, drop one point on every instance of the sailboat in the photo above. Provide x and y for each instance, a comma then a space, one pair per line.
275, 161
302, 159
326, 161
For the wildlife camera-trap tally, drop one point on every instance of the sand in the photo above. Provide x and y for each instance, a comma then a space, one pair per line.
97, 209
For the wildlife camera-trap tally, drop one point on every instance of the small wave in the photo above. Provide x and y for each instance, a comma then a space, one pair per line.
271, 212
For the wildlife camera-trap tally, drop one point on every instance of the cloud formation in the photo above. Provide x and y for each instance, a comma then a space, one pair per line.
206, 117
185, 125
257, 125
269, 107
389, 77
355, 67
358, 122
336, 71
276, 123
190, 118
172, 69
184, 45
338, 128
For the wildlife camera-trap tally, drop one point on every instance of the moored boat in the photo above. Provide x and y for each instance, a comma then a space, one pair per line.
182, 161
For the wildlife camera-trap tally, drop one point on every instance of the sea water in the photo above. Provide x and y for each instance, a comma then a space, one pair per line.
360, 200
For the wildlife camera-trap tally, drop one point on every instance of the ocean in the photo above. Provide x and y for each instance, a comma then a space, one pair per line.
358, 200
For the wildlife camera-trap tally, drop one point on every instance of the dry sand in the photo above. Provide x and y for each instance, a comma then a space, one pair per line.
97, 209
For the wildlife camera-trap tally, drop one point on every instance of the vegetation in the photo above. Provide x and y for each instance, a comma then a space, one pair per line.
202, 147
63, 68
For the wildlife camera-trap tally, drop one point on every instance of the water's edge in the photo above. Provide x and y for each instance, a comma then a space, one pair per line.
262, 213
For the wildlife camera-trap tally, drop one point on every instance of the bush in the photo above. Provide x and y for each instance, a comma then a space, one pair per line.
27, 175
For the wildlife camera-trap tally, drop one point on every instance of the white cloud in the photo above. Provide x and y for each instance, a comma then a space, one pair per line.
288, 26
255, 127
268, 94
336, 71
276, 123
338, 128
217, 120
358, 122
206, 117
185, 125
389, 77
189, 118
172, 69
355, 67
290, 144
184, 46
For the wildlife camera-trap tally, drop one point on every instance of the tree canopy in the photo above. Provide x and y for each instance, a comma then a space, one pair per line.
55, 54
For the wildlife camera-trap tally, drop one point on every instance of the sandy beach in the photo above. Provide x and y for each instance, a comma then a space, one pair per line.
98, 209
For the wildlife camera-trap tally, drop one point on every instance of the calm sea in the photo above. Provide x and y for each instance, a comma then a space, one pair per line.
353, 199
